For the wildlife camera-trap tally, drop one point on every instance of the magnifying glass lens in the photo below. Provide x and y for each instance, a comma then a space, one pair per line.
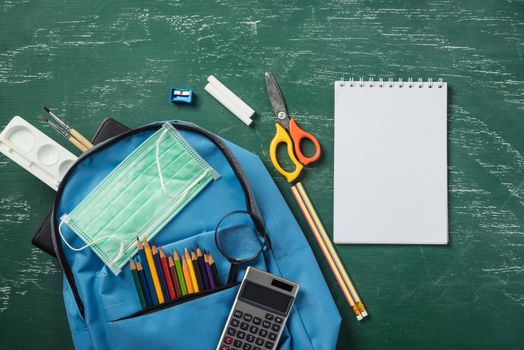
238, 238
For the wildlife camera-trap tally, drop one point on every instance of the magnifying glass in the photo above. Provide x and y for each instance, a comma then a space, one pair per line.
238, 240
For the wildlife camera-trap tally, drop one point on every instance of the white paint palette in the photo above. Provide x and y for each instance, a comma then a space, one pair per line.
35, 151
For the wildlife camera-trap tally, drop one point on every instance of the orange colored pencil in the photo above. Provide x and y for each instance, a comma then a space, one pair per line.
191, 269
154, 272
187, 276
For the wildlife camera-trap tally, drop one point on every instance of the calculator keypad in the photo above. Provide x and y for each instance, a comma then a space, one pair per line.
249, 332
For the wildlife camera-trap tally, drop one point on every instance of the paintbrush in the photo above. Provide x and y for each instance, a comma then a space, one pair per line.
70, 130
64, 133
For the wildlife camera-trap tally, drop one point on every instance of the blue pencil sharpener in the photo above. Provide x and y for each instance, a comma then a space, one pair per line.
178, 95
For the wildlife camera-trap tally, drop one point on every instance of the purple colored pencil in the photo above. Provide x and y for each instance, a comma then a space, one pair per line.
209, 273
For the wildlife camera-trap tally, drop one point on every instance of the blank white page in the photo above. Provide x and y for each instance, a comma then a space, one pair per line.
390, 163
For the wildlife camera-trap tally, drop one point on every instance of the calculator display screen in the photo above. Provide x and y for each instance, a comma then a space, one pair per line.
266, 296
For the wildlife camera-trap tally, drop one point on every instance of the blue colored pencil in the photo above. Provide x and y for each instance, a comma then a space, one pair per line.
202, 268
147, 273
161, 276
143, 284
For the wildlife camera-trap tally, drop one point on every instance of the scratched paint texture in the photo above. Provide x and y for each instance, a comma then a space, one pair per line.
92, 59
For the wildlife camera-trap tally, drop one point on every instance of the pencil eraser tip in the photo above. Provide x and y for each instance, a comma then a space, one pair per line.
359, 317
364, 313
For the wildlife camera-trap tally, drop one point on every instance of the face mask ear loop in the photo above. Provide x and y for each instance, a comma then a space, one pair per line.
120, 253
161, 177
63, 218
158, 168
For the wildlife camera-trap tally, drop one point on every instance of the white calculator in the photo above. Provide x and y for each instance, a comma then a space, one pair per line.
259, 313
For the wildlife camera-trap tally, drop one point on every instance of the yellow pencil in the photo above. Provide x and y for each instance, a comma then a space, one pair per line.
154, 273
187, 276
191, 270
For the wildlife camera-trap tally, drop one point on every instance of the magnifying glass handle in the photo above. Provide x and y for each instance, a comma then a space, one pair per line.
232, 274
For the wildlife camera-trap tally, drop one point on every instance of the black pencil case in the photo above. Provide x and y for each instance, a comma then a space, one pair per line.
107, 129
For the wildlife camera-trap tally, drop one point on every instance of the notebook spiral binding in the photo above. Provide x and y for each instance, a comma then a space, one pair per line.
390, 83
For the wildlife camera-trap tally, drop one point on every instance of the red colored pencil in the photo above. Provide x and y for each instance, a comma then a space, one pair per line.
167, 275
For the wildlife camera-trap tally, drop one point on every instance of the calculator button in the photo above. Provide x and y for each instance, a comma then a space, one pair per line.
235, 323
272, 336
279, 319
275, 327
244, 326
262, 333
238, 313
257, 320
246, 346
259, 341
250, 338
269, 345
253, 329
237, 343
248, 317
266, 324
228, 340
224, 347
231, 331
269, 317
241, 335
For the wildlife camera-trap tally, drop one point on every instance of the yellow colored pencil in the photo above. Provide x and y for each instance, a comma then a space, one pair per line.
191, 270
154, 273
187, 276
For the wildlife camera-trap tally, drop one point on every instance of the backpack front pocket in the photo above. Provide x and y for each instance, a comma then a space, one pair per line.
194, 324
118, 295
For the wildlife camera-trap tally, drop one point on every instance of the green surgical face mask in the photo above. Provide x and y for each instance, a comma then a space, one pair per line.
144, 192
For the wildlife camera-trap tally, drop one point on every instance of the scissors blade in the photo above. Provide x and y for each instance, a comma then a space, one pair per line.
276, 98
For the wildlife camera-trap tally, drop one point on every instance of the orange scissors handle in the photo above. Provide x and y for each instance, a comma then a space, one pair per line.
297, 134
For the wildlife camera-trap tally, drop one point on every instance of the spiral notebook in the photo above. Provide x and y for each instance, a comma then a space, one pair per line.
390, 162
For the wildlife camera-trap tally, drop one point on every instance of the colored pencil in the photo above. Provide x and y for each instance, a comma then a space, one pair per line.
147, 273
187, 276
143, 284
161, 277
136, 281
214, 270
329, 251
174, 277
202, 267
154, 273
167, 275
191, 269
209, 273
179, 272
198, 272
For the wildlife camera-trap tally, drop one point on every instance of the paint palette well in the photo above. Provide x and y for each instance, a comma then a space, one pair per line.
35, 152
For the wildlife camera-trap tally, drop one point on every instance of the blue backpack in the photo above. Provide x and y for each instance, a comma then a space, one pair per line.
104, 311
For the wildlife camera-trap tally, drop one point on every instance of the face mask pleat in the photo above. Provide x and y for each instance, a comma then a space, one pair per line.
136, 200
137, 190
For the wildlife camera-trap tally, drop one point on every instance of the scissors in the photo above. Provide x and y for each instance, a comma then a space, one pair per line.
288, 132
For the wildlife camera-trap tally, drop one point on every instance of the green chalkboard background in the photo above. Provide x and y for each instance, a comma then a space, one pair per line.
92, 59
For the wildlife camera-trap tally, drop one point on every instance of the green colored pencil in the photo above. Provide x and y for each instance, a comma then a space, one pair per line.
179, 273
137, 284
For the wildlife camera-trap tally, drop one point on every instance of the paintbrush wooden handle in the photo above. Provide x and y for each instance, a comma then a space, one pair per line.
80, 138
77, 144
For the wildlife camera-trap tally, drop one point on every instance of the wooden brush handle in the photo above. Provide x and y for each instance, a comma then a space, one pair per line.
77, 144
80, 138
